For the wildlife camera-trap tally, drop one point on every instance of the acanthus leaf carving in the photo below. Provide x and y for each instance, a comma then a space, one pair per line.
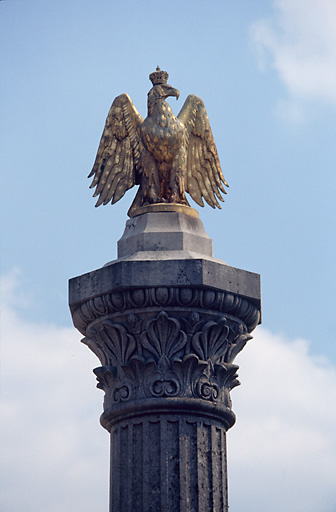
113, 380
163, 336
212, 341
237, 345
105, 375
93, 344
119, 344
226, 374
188, 371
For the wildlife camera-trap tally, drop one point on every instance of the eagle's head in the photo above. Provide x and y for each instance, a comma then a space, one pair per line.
159, 93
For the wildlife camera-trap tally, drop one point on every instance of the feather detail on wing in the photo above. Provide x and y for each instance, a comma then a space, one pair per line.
204, 175
118, 158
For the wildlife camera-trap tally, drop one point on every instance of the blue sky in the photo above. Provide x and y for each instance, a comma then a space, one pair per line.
266, 72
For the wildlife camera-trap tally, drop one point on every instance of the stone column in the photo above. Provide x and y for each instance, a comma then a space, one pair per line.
166, 320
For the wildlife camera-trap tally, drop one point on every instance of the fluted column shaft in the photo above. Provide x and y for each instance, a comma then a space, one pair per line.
160, 463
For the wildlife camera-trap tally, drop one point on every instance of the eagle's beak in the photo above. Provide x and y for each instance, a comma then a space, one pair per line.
170, 91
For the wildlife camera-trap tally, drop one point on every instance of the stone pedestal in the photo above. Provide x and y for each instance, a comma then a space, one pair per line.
166, 319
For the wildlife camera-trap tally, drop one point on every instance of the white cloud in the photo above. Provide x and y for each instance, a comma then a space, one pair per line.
283, 449
300, 40
55, 456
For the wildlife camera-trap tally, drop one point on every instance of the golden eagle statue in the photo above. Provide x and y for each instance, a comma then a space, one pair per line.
166, 155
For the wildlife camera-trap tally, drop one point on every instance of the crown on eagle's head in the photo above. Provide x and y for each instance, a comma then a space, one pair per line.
158, 76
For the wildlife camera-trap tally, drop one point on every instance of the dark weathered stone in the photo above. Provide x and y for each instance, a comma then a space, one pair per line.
167, 332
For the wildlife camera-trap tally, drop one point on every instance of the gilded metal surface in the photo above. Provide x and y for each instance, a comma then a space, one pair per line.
166, 155
165, 207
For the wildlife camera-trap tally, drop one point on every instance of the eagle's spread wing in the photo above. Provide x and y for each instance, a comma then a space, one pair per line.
204, 175
118, 157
